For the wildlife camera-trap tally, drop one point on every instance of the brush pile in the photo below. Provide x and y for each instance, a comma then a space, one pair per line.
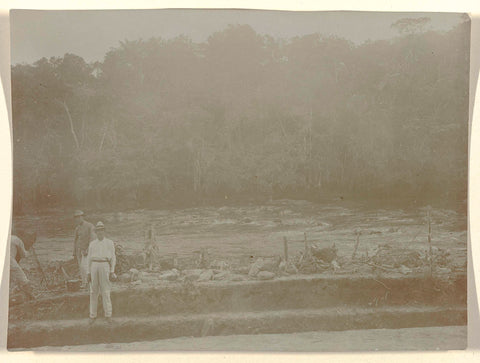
314, 259
391, 257
124, 261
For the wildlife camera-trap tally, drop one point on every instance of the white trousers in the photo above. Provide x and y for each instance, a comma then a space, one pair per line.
100, 285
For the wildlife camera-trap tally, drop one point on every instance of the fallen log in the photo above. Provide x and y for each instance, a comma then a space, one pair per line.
389, 269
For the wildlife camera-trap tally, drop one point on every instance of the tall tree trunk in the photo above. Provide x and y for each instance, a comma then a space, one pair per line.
72, 130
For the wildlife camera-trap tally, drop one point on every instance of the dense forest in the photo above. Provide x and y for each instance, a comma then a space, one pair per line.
243, 116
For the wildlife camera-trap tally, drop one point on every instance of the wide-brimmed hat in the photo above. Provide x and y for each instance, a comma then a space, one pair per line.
100, 225
78, 213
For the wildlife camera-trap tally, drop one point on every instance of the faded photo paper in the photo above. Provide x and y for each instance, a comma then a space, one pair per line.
239, 180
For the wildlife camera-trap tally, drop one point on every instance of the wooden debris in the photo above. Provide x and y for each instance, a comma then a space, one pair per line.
357, 233
202, 261
285, 248
430, 254
325, 254
151, 248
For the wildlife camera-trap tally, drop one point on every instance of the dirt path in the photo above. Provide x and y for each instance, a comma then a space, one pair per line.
432, 338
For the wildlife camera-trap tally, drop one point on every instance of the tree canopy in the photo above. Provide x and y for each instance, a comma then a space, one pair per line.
172, 122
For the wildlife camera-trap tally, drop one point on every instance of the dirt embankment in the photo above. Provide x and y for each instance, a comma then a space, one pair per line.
307, 292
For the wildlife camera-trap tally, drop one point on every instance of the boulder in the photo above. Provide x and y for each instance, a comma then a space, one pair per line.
242, 270
171, 275
256, 267
265, 275
134, 274
405, 270
205, 276
192, 275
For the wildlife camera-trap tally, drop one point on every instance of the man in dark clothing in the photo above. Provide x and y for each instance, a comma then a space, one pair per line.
84, 234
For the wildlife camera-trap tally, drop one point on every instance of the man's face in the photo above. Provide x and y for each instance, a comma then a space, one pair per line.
78, 220
100, 233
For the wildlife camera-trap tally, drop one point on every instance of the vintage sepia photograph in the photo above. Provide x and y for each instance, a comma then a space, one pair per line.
238, 180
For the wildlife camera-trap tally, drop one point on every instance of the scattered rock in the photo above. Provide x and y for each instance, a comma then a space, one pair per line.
405, 270
205, 276
171, 275
282, 266
243, 270
256, 267
221, 275
265, 275
192, 275
134, 274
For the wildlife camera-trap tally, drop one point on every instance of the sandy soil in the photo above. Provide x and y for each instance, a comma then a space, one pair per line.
432, 338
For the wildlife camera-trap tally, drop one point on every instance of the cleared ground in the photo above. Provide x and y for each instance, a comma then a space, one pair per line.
234, 233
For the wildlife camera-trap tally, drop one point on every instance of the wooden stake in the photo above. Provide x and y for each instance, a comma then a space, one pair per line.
356, 244
44, 276
430, 242
285, 248
306, 243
